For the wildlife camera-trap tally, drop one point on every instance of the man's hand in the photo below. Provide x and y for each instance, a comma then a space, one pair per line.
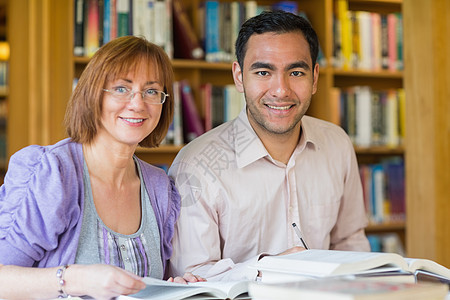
187, 277
291, 250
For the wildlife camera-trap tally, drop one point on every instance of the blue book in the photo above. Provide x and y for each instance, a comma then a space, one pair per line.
212, 34
106, 21
378, 192
289, 6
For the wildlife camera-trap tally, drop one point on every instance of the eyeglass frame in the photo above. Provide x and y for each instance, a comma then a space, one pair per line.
132, 93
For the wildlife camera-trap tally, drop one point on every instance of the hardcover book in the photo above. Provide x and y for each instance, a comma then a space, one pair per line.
340, 288
315, 263
162, 290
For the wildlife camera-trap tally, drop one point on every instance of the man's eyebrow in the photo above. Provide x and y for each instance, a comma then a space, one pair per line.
261, 65
300, 64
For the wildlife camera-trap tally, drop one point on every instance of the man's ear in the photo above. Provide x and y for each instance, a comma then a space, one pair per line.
237, 77
316, 78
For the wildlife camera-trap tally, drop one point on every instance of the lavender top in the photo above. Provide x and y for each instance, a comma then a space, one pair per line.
42, 200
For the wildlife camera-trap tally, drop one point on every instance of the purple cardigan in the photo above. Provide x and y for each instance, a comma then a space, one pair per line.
41, 205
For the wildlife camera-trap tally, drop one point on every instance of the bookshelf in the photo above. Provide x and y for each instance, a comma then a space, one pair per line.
49, 67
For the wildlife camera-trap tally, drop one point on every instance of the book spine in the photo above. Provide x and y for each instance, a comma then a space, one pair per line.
376, 41
149, 13
363, 116
78, 49
101, 16
344, 20
365, 62
186, 43
212, 35
392, 41
378, 188
137, 17
106, 21
399, 41
92, 29
217, 109
113, 20
206, 95
392, 124
177, 116
192, 123
123, 15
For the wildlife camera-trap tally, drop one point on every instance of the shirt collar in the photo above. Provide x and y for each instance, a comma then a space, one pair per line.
249, 148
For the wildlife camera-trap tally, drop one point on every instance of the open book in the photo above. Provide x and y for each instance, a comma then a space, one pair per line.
340, 288
162, 290
324, 263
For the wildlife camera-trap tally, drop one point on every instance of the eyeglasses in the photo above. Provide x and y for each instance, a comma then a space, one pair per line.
150, 96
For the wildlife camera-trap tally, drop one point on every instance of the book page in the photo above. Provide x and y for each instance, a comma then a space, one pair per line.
163, 290
230, 288
330, 262
427, 265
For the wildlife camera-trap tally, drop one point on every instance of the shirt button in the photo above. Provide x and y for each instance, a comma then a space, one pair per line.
122, 247
127, 259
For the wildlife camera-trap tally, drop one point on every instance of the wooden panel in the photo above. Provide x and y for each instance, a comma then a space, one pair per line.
41, 71
18, 110
427, 84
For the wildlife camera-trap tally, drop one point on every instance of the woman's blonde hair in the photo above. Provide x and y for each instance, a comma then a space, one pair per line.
116, 58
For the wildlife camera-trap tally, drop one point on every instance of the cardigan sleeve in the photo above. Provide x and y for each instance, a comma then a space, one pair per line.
36, 206
173, 212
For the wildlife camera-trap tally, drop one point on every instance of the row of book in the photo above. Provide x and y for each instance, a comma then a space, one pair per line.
166, 23
219, 104
367, 40
220, 26
386, 242
99, 21
370, 117
384, 190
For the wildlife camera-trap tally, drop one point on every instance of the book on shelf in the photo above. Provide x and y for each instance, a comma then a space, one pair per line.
96, 22
341, 288
187, 44
192, 122
315, 263
372, 117
367, 40
162, 290
386, 242
106, 21
78, 47
212, 31
383, 186
123, 17
92, 28
174, 134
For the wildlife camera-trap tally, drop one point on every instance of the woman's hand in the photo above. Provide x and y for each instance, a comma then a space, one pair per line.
187, 277
101, 281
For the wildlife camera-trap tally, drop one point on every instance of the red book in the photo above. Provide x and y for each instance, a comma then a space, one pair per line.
186, 43
192, 123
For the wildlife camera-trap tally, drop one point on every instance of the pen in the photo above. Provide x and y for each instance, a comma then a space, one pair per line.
299, 234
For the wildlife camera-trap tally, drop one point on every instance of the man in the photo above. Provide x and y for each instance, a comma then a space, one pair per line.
245, 182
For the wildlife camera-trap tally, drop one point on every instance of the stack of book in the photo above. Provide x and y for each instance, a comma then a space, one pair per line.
315, 263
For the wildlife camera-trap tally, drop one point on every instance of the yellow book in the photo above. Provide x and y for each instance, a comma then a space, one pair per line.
344, 17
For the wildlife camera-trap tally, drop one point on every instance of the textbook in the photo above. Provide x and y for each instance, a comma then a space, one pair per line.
163, 290
340, 289
316, 263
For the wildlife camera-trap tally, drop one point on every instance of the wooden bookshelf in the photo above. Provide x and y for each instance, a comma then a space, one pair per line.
47, 66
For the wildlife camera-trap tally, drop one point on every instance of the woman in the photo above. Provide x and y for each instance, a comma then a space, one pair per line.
85, 216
